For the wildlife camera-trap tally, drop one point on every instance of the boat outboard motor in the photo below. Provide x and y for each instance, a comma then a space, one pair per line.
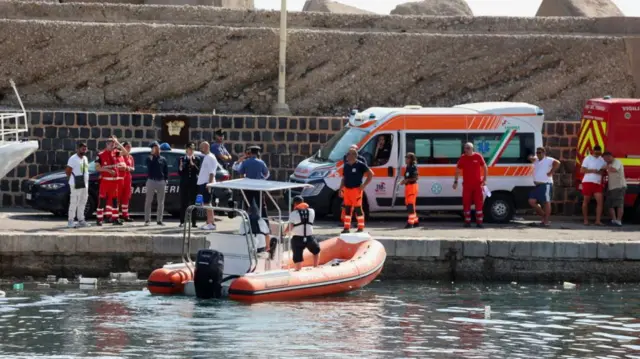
208, 274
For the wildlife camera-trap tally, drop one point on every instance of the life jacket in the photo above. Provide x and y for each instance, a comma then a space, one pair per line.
303, 211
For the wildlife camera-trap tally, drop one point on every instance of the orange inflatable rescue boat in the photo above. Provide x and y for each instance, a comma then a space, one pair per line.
231, 266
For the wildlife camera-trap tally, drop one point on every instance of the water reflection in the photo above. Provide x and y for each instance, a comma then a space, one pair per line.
385, 320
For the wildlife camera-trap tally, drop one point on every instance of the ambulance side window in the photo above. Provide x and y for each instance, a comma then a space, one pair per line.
516, 152
435, 149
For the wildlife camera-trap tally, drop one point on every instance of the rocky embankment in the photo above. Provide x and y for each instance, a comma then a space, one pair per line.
187, 58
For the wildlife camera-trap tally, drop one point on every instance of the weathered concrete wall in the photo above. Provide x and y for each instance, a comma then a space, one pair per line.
200, 68
67, 255
286, 141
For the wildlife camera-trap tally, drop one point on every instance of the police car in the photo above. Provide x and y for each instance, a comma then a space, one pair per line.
50, 192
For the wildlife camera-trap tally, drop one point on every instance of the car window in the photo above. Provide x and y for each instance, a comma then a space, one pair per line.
140, 162
173, 160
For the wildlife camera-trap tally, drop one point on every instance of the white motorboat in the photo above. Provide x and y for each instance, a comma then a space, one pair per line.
13, 149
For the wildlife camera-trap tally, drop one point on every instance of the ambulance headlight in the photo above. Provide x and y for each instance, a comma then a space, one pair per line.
319, 174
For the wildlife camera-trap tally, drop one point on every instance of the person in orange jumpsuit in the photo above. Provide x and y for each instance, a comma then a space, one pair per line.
124, 184
410, 183
352, 189
474, 176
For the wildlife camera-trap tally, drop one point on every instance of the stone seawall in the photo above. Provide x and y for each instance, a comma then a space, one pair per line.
286, 141
67, 255
198, 68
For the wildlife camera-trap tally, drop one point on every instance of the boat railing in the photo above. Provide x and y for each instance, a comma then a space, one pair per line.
12, 124
186, 244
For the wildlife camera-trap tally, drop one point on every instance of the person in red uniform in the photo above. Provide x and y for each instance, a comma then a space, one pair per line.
124, 185
352, 189
474, 176
108, 166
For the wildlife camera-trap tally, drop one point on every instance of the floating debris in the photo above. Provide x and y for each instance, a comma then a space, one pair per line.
124, 276
568, 285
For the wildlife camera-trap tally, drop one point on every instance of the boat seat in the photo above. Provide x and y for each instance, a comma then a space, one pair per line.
234, 248
355, 237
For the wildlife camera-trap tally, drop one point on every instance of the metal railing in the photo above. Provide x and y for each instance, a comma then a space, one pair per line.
7, 131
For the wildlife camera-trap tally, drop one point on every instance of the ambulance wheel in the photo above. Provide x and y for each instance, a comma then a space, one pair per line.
336, 208
499, 208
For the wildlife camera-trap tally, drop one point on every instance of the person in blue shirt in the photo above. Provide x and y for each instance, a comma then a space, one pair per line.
254, 168
352, 189
218, 149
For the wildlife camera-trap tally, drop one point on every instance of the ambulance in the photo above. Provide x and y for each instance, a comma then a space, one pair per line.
613, 124
505, 133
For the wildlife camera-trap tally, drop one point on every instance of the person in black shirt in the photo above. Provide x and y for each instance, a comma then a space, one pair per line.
352, 189
157, 177
188, 168
410, 183
361, 159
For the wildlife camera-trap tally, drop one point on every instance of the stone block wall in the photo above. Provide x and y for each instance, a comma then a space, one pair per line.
285, 140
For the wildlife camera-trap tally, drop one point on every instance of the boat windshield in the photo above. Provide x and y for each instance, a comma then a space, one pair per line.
335, 149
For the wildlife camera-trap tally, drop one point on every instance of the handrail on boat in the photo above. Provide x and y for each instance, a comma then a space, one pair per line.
14, 132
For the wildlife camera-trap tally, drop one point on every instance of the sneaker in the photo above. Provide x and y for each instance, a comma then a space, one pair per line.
117, 222
181, 225
83, 224
618, 223
146, 223
408, 225
360, 230
479, 225
345, 231
99, 223
128, 219
208, 227
467, 225
160, 223
71, 224
416, 225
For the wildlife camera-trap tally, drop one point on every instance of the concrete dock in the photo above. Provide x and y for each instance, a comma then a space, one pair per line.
38, 244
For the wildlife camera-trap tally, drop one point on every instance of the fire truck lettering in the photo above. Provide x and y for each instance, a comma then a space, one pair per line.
630, 108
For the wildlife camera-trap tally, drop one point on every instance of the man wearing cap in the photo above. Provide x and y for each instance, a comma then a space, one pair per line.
218, 149
157, 178
77, 172
254, 168
108, 167
207, 175
301, 226
189, 168
126, 166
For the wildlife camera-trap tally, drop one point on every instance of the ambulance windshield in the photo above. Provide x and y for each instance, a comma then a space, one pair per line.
335, 149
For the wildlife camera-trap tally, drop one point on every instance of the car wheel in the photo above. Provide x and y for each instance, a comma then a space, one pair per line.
90, 208
499, 208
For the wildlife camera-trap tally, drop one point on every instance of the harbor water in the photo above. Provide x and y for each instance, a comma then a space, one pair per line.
385, 320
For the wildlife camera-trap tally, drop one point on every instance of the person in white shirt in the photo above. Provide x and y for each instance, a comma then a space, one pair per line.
593, 166
301, 226
77, 171
540, 196
207, 175
616, 188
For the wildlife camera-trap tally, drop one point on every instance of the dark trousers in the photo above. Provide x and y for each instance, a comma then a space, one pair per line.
188, 193
254, 196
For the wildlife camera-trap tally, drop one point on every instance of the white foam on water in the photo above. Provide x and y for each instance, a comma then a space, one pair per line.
517, 314
447, 310
624, 329
559, 317
624, 319
631, 346
581, 350
617, 337
482, 321
447, 337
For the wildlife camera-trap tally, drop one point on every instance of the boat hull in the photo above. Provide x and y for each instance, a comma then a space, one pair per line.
346, 264
14, 152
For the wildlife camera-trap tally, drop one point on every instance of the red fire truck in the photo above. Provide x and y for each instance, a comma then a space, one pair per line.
614, 124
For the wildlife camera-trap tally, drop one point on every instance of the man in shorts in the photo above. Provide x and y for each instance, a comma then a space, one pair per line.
540, 196
592, 168
616, 188
352, 189
301, 220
